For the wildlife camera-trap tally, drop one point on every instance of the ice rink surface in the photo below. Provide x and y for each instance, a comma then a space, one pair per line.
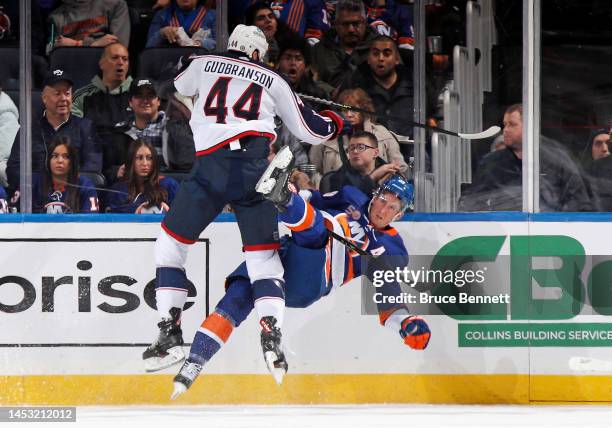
362, 416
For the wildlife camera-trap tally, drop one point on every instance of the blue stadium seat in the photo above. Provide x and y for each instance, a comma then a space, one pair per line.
159, 64
37, 105
9, 69
80, 63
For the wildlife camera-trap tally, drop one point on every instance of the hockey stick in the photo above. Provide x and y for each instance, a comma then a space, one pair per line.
586, 364
487, 133
348, 243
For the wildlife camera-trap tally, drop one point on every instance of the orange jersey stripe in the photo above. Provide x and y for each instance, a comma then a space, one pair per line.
350, 272
218, 325
306, 222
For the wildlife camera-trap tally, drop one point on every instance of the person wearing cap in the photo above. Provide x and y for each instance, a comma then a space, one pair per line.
148, 123
105, 101
57, 120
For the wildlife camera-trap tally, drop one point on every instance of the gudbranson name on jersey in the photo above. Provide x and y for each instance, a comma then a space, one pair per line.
239, 71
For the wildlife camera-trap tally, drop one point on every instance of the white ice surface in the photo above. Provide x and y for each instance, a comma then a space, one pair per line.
363, 416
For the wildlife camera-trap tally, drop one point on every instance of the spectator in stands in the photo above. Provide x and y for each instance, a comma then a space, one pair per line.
142, 190
344, 47
9, 125
89, 23
261, 15
57, 120
183, 23
364, 169
497, 181
326, 156
308, 18
105, 101
60, 189
598, 146
148, 123
293, 65
387, 82
392, 18
595, 170
4, 208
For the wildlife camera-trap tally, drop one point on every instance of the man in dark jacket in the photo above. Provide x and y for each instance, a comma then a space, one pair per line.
57, 120
387, 82
344, 47
149, 123
497, 183
363, 168
105, 101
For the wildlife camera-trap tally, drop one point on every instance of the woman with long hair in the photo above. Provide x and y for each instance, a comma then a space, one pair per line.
60, 189
142, 190
326, 156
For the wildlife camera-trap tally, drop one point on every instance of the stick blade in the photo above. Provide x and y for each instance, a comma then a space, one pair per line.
487, 133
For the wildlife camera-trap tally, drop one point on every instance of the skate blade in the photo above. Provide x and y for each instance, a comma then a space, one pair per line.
179, 389
175, 356
281, 161
276, 372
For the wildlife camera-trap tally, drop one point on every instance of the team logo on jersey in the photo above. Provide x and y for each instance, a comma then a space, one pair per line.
55, 196
154, 209
353, 212
57, 208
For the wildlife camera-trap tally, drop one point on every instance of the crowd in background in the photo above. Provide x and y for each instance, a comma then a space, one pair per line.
124, 133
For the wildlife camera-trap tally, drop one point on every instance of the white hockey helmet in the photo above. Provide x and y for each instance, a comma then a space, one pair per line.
248, 39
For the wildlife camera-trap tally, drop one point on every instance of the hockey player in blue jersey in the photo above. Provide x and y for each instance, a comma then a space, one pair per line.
315, 264
237, 100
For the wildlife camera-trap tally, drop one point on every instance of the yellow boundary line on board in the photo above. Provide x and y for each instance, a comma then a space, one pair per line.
305, 389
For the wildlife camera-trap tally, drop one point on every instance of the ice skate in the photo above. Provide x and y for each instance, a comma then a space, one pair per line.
167, 349
270, 345
185, 378
273, 182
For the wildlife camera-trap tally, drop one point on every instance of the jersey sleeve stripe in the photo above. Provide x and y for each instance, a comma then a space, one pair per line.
306, 220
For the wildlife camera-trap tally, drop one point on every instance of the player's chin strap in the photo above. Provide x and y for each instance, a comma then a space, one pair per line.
487, 133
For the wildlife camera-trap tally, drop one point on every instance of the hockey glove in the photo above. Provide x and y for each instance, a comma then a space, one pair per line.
415, 332
343, 126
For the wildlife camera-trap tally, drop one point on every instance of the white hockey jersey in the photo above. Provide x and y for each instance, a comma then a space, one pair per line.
238, 98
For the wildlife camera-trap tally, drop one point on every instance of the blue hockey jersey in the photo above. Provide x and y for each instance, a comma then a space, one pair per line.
346, 213
55, 201
117, 200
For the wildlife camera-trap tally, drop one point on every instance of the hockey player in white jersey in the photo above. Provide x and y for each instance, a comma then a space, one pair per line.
233, 124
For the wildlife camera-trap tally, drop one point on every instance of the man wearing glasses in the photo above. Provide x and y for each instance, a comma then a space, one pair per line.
344, 47
364, 170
